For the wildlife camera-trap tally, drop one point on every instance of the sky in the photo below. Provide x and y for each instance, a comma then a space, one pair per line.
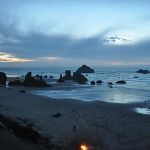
70, 33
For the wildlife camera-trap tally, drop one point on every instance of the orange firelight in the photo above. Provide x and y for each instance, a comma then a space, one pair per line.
84, 147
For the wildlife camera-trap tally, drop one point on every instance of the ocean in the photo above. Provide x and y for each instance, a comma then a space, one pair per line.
136, 89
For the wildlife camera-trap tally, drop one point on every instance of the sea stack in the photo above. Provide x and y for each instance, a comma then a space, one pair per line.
32, 82
84, 69
143, 71
78, 77
60, 79
67, 75
3, 79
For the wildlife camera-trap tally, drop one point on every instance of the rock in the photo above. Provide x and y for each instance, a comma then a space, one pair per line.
22, 91
45, 76
85, 69
57, 115
32, 82
37, 76
3, 78
109, 83
110, 86
78, 77
143, 71
67, 75
92, 82
121, 82
51, 77
74, 128
41, 78
60, 79
99, 81
29, 76
15, 83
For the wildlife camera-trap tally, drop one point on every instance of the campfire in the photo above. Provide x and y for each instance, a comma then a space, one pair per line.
84, 147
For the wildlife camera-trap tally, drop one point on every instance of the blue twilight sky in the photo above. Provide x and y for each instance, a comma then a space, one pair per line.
67, 32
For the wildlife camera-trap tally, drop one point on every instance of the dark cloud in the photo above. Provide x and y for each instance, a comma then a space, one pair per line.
114, 39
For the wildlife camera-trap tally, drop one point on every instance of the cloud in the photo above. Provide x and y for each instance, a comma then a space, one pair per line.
116, 40
6, 57
4, 40
54, 47
64, 49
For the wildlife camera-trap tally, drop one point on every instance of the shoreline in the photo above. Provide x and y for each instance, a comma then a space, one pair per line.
115, 126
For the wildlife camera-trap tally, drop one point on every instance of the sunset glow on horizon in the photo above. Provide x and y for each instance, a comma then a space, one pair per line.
5, 57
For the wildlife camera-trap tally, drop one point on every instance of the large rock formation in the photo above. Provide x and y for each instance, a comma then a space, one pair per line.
3, 78
78, 77
143, 71
60, 79
32, 82
85, 69
67, 75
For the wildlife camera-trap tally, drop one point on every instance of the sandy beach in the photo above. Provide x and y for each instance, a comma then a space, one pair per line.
99, 124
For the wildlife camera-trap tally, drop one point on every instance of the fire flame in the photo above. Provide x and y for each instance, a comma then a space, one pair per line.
84, 147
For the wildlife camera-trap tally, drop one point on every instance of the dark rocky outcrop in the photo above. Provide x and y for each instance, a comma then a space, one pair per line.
99, 81
92, 82
143, 71
67, 75
110, 86
15, 83
3, 78
78, 77
109, 83
121, 82
60, 79
45, 76
85, 69
32, 82
51, 77
37, 76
